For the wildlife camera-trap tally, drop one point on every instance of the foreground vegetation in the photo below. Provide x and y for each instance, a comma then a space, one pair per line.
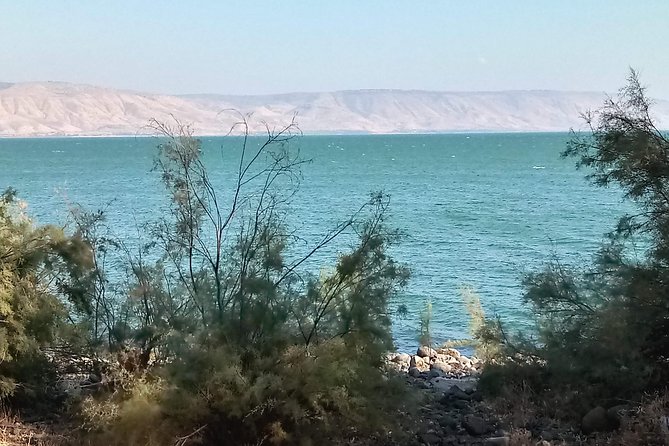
602, 333
215, 334
218, 333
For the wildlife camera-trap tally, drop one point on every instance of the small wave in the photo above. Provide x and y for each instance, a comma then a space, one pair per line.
538, 167
57, 151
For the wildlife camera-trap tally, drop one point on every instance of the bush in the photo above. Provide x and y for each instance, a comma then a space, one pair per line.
211, 396
290, 397
40, 268
234, 340
601, 332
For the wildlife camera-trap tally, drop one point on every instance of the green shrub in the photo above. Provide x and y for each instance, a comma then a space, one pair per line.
39, 270
130, 415
601, 331
288, 397
233, 340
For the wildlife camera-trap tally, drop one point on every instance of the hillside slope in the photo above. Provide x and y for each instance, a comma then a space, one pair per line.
53, 108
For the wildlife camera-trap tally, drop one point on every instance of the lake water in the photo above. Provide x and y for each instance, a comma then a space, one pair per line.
477, 209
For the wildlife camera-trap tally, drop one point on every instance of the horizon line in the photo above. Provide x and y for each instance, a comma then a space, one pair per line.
306, 92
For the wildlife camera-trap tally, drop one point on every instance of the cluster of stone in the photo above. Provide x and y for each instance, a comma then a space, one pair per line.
430, 363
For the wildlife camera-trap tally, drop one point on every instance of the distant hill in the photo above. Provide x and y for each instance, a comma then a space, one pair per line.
54, 108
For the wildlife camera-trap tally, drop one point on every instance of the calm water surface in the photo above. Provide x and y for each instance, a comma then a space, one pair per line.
477, 209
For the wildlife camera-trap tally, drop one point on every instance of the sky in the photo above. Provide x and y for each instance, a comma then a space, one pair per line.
262, 46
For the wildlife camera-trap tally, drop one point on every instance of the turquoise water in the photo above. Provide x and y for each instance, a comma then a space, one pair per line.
477, 209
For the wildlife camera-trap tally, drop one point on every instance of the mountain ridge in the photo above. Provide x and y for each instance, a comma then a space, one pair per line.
65, 109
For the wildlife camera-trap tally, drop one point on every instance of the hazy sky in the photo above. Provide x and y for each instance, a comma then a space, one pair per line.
247, 47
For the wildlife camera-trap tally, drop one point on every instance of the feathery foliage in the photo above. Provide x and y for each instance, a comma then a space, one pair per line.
42, 272
603, 331
226, 336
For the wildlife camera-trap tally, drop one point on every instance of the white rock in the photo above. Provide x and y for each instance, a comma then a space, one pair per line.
441, 367
464, 361
401, 358
422, 364
450, 352
425, 351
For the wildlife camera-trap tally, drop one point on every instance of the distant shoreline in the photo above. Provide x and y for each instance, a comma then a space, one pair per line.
260, 134
61, 110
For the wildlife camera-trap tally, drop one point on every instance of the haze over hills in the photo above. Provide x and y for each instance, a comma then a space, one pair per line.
61, 109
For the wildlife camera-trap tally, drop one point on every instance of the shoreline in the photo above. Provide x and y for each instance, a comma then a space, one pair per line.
316, 133
438, 368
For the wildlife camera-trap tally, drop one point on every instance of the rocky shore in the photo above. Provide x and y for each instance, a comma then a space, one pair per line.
432, 363
452, 411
